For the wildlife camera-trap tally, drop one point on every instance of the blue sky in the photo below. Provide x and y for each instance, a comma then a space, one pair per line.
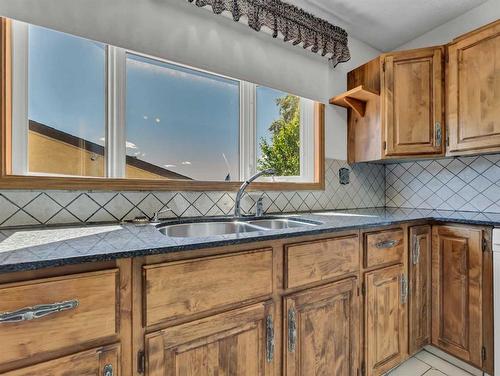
176, 118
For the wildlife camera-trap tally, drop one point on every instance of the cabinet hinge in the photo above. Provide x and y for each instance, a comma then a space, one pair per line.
483, 353
363, 370
485, 245
385, 145
141, 362
447, 135
383, 66
363, 289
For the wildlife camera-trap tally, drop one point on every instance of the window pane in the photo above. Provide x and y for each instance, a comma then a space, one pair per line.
181, 123
278, 131
66, 104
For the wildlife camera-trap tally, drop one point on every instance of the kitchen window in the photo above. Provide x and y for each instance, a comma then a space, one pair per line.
59, 103
83, 109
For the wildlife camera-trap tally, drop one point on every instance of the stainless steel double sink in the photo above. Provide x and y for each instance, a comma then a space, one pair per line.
230, 226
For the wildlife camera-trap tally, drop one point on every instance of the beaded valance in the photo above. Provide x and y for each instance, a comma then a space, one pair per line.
290, 22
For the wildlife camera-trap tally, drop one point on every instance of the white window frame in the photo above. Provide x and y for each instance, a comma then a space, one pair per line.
20, 98
115, 143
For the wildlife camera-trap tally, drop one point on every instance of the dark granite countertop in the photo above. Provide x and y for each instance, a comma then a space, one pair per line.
39, 247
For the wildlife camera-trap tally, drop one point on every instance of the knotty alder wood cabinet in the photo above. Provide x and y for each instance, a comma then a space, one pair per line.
426, 102
345, 304
322, 330
458, 286
473, 91
420, 272
396, 106
385, 300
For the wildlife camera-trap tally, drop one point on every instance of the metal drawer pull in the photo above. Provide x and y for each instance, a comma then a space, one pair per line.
439, 134
37, 312
404, 289
269, 339
387, 244
108, 370
292, 330
416, 252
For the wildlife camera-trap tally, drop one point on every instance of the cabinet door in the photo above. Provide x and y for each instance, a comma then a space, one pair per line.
96, 362
321, 330
473, 91
457, 292
234, 343
420, 287
385, 325
413, 102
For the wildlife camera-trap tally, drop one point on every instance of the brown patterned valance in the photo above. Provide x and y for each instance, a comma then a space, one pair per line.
292, 23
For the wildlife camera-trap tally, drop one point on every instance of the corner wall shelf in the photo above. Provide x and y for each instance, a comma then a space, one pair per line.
355, 99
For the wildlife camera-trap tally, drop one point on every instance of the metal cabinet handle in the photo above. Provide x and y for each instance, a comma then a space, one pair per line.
37, 312
387, 244
404, 289
269, 339
107, 370
292, 330
439, 134
416, 252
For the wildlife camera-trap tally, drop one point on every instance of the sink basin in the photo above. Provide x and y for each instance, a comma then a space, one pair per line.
202, 229
227, 227
280, 223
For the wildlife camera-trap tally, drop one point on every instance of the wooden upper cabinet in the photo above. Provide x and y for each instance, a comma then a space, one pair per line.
473, 91
321, 330
412, 96
419, 299
396, 106
237, 342
457, 292
385, 324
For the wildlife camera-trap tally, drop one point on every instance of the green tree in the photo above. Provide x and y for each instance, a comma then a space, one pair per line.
282, 152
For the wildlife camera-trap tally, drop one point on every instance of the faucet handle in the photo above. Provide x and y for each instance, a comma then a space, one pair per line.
259, 207
160, 211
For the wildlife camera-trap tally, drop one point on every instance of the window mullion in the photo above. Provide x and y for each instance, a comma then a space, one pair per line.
247, 129
20, 121
307, 129
116, 95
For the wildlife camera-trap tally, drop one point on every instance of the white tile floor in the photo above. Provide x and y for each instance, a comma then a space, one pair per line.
425, 363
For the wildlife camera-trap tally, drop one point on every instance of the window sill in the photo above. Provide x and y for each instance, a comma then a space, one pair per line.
76, 183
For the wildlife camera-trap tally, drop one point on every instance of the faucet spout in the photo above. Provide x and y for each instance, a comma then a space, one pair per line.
239, 195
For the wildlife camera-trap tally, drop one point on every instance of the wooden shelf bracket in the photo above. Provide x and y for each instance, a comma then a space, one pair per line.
355, 99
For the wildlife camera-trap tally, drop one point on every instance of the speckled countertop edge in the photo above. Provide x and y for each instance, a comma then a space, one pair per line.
43, 247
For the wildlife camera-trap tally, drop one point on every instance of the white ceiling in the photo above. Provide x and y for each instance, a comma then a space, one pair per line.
387, 24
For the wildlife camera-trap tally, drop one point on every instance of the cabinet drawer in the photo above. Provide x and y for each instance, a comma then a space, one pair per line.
315, 261
100, 361
47, 315
179, 289
383, 247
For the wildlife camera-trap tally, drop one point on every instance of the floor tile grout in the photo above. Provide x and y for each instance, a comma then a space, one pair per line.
432, 369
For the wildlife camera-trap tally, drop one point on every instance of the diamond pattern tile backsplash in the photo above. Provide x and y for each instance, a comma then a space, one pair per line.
465, 183
366, 189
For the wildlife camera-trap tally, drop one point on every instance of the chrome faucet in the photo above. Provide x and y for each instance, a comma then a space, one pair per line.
239, 195
156, 215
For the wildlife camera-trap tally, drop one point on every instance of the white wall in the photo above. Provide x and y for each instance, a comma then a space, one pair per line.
477, 17
179, 31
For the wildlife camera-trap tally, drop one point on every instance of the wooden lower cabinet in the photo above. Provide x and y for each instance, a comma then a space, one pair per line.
238, 342
385, 309
419, 299
322, 330
103, 361
457, 292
